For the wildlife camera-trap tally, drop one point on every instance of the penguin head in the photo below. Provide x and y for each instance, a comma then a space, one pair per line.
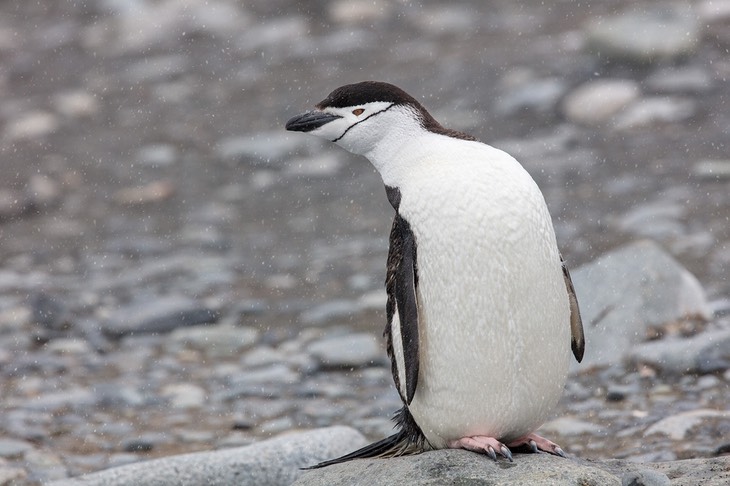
360, 116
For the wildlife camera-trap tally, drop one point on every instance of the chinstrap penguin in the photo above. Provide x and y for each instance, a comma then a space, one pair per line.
481, 311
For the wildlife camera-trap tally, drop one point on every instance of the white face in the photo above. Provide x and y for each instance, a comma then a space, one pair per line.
359, 128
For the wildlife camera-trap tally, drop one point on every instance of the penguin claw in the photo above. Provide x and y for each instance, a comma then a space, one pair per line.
491, 453
482, 444
506, 453
537, 443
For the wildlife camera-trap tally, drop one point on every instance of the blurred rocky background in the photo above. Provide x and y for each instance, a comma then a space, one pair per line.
178, 273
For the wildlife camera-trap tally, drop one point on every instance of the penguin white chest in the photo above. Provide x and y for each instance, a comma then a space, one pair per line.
493, 307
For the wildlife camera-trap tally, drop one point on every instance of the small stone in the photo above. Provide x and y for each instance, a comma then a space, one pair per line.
69, 346
153, 192
184, 395
13, 448
49, 311
159, 155
539, 95
660, 220
675, 80
655, 110
350, 351
159, 315
261, 148
645, 477
712, 169
32, 125
568, 426
328, 311
359, 11
322, 166
76, 104
11, 476
659, 32
77, 398
157, 68
597, 102
144, 443
216, 341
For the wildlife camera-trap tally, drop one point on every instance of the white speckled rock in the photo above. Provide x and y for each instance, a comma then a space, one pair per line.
596, 102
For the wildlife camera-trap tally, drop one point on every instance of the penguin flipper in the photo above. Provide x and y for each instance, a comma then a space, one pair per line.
577, 339
402, 307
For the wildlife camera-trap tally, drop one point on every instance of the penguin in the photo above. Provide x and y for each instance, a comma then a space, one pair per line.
481, 311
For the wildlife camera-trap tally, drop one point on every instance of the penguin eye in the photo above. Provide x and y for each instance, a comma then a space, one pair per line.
358, 111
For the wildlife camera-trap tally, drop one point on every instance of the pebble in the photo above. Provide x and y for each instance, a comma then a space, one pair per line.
540, 95
76, 104
184, 395
152, 192
712, 169
351, 351
31, 125
655, 110
678, 80
566, 426
597, 102
323, 166
262, 148
645, 477
10, 448
157, 155
359, 11
216, 341
660, 220
159, 315
658, 32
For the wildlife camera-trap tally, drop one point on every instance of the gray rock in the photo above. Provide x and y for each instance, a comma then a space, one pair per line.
157, 155
659, 32
676, 427
704, 353
655, 110
712, 169
624, 292
10, 448
276, 461
262, 148
539, 95
645, 477
461, 468
597, 102
659, 220
329, 310
689, 79
12, 476
158, 316
350, 351
216, 341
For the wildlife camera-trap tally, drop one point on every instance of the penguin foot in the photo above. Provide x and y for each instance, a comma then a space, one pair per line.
537, 443
484, 445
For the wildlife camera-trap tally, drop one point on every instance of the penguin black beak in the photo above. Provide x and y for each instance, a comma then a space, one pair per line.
306, 122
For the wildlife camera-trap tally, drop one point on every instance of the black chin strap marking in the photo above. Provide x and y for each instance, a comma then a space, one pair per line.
355, 124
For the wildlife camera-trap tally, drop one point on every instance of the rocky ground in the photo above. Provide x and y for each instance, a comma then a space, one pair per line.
179, 274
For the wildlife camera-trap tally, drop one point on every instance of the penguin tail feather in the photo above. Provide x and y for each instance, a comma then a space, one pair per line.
398, 444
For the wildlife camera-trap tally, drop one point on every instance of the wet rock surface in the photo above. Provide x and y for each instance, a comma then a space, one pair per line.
179, 274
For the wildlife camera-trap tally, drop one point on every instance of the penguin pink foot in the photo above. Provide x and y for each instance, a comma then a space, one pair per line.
537, 443
483, 445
